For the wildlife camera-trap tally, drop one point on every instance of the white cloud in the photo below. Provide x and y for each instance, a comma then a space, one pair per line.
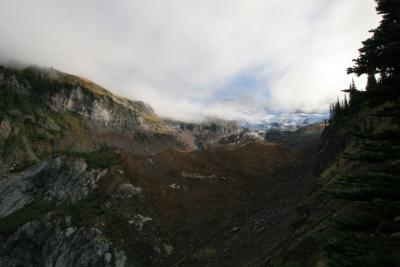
178, 54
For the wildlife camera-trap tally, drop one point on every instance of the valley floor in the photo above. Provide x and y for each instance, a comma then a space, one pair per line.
227, 206
224, 206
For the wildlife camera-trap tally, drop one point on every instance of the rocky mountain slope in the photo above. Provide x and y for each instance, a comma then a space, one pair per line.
91, 179
43, 111
352, 218
209, 133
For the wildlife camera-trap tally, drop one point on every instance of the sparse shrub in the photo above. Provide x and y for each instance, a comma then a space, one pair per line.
101, 159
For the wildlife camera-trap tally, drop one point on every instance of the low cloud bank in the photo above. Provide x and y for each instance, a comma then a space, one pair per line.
186, 58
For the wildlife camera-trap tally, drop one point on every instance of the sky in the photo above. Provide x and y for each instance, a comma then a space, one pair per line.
193, 59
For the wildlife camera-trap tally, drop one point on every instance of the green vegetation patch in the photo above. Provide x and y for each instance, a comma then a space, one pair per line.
87, 212
101, 159
35, 210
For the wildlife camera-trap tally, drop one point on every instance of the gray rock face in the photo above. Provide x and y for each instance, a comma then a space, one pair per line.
245, 137
106, 119
54, 179
208, 133
218, 127
118, 122
299, 139
55, 244
52, 241
104, 112
126, 190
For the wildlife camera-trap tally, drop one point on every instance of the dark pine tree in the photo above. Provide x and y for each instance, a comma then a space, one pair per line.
337, 108
381, 52
352, 91
345, 102
353, 86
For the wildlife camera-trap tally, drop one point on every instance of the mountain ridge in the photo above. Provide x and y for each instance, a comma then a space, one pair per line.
108, 119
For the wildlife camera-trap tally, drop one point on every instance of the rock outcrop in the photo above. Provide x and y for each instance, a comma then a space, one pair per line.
206, 134
46, 242
55, 179
101, 118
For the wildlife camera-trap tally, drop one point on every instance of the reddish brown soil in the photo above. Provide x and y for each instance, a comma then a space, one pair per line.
237, 214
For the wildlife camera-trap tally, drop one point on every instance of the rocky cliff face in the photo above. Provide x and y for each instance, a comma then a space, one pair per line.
34, 229
46, 242
300, 139
352, 217
54, 179
74, 114
207, 134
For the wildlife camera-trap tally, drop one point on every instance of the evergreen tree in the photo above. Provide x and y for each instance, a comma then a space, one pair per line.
352, 91
346, 103
381, 53
353, 86
337, 108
